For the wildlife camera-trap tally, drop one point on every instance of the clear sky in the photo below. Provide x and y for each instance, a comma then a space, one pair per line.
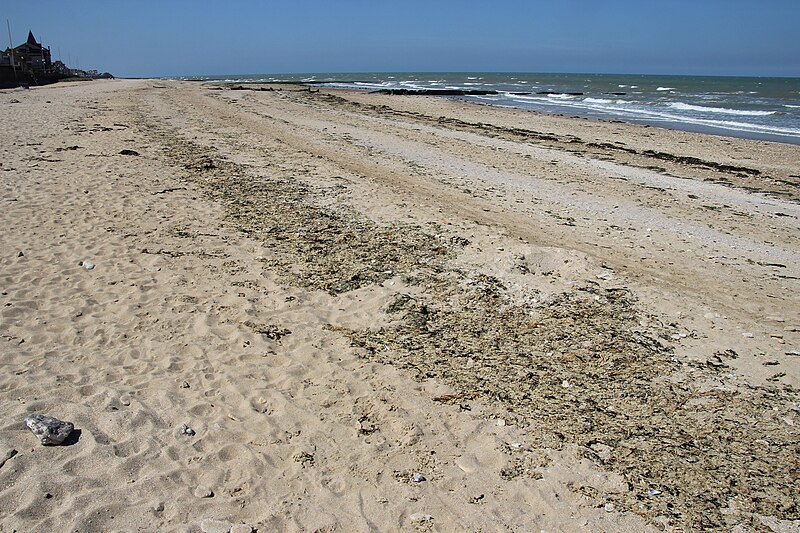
194, 37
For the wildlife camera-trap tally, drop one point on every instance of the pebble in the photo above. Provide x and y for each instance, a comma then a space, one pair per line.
49, 430
609, 507
203, 492
20, 254
186, 430
419, 478
747, 335
185, 385
242, 528
88, 265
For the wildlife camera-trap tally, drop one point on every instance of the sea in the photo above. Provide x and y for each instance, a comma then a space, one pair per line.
754, 108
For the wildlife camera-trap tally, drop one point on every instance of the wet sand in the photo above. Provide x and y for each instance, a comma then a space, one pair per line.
562, 324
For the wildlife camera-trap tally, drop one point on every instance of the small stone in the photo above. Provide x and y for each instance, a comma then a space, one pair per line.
128, 152
125, 400
419, 478
49, 430
242, 528
203, 492
747, 335
186, 430
500, 422
185, 385
609, 507
20, 254
88, 265
420, 518
654, 492
212, 525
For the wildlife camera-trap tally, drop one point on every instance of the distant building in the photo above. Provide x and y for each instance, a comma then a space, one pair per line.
30, 64
31, 55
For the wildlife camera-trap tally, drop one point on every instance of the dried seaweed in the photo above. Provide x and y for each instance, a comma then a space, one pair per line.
576, 369
579, 369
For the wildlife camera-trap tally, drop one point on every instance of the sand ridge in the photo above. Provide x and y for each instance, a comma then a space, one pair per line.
216, 303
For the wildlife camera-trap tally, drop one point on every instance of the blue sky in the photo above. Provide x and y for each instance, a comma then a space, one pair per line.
192, 37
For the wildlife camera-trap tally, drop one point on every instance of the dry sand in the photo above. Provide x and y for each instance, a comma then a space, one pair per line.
562, 324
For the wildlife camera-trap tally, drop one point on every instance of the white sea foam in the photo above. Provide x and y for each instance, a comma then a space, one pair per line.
634, 110
665, 89
689, 107
792, 106
598, 101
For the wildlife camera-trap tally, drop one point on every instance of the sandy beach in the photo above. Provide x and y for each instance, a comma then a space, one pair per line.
326, 310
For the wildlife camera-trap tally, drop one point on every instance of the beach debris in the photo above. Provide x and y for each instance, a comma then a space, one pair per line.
203, 492
185, 385
186, 430
477, 499
420, 518
653, 492
270, 331
609, 507
304, 458
49, 430
20, 254
88, 265
418, 478
128, 152
8, 454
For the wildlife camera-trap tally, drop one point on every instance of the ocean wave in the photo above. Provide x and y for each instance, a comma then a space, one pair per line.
792, 106
665, 89
598, 101
634, 111
689, 107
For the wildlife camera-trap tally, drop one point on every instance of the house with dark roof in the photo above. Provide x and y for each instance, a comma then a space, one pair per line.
31, 55
27, 64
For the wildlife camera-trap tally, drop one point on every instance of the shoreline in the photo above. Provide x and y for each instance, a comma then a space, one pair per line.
391, 312
459, 94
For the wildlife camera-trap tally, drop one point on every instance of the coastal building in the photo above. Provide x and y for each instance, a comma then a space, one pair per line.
31, 55
31, 64
27, 64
